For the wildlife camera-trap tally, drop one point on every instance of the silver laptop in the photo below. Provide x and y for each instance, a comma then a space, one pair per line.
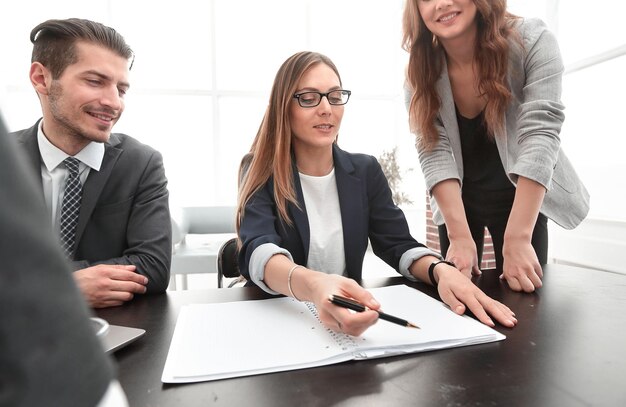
114, 337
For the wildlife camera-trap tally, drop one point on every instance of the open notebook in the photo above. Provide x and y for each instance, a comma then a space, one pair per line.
282, 334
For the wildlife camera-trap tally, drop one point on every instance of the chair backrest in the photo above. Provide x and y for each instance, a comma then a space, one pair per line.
244, 166
227, 263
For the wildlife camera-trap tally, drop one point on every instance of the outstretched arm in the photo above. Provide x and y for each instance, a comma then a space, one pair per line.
521, 268
459, 293
462, 251
309, 285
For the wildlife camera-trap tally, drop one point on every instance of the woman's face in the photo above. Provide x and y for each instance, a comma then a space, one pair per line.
448, 19
316, 127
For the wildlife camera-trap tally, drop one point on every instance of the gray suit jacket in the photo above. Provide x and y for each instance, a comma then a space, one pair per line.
530, 147
124, 216
49, 355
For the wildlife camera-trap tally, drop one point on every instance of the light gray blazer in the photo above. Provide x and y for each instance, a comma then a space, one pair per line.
531, 145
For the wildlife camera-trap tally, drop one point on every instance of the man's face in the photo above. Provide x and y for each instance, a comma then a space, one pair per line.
88, 98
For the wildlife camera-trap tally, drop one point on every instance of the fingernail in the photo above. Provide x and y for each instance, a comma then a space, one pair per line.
459, 309
374, 303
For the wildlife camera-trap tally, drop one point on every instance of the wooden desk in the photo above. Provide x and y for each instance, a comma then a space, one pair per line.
569, 349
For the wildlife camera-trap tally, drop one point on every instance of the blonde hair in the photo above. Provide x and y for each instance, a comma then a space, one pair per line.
270, 154
426, 56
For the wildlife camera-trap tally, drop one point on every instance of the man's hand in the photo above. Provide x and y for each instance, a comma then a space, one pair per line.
108, 285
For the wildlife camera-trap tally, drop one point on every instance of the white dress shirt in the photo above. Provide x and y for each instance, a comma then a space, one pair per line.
54, 173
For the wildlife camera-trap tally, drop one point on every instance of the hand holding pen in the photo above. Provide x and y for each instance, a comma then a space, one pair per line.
358, 307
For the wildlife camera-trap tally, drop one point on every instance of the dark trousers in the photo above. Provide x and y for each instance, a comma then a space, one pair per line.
496, 226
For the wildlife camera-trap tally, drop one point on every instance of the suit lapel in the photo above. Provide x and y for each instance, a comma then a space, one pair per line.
349, 189
299, 216
95, 184
447, 112
28, 139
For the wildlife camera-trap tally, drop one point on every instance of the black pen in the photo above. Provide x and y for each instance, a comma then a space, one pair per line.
358, 307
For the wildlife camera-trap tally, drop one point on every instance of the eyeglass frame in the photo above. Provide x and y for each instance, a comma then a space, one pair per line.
298, 95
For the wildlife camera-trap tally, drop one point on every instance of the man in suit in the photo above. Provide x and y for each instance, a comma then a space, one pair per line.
105, 192
48, 351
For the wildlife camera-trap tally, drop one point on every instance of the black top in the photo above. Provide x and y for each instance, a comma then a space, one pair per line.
485, 183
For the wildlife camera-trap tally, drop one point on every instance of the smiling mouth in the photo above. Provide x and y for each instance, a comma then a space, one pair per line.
324, 126
448, 17
105, 118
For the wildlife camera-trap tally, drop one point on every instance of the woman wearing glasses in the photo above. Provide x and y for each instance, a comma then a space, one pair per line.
484, 101
307, 208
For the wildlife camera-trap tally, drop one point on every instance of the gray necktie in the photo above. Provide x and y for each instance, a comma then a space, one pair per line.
71, 206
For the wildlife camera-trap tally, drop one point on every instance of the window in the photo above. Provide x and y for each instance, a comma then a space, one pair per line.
204, 69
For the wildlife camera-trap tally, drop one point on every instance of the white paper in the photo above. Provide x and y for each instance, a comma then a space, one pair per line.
216, 341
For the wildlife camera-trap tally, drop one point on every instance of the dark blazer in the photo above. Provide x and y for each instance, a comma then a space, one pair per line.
124, 215
367, 211
49, 355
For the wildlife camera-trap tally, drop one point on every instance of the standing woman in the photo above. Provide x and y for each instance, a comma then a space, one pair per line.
307, 208
484, 100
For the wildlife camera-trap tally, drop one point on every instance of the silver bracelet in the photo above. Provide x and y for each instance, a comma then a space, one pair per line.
289, 281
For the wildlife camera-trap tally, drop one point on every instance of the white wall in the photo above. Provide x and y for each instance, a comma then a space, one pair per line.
596, 243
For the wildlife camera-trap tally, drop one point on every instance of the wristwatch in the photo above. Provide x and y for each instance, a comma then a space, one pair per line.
431, 270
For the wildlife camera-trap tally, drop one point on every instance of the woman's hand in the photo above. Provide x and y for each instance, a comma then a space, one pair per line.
338, 318
285, 277
462, 252
459, 292
521, 268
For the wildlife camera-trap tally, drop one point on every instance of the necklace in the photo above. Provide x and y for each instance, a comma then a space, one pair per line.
332, 164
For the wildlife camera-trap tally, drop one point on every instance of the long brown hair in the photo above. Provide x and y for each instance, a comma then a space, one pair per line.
271, 149
426, 57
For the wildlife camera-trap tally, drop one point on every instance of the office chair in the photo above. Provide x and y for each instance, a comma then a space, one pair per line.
227, 264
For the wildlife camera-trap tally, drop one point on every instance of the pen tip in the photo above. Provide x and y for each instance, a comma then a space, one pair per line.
410, 325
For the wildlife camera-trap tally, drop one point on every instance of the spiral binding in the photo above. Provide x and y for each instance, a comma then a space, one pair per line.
345, 341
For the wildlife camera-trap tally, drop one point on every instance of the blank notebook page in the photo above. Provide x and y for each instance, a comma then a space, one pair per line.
213, 341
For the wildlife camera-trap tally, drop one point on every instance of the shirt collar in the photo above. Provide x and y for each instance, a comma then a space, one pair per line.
92, 155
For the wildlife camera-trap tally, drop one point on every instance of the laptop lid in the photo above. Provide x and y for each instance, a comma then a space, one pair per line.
114, 337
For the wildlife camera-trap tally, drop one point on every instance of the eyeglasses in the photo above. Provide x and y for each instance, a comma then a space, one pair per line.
312, 99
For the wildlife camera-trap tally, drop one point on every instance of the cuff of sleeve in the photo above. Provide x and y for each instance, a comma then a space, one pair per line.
410, 256
260, 256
